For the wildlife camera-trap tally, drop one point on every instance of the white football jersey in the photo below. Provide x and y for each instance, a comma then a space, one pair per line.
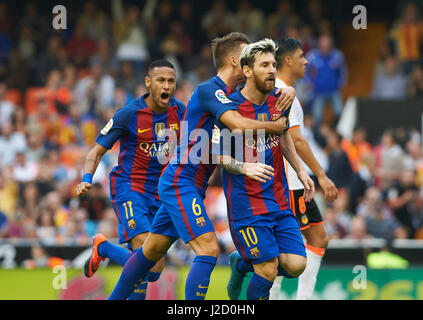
296, 118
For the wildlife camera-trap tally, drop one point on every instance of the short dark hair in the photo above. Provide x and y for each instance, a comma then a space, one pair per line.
287, 46
160, 63
223, 45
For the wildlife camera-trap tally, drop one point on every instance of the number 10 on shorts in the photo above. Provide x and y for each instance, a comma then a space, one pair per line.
249, 236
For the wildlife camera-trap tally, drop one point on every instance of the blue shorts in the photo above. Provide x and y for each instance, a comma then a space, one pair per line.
163, 224
263, 237
183, 205
135, 213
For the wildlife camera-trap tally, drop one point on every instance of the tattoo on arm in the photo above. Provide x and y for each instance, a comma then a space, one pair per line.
232, 165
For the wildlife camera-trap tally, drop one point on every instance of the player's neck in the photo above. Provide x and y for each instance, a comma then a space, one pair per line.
252, 94
227, 77
286, 77
152, 105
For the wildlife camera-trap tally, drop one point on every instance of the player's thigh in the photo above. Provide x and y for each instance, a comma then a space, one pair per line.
163, 225
137, 241
155, 246
288, 235
133, 214
185, 206
254, 240
316, 236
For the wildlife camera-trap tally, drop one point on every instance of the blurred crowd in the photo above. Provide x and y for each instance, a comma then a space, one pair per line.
58, 88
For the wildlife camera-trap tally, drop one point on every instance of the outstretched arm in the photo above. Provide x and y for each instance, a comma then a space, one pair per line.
91, 163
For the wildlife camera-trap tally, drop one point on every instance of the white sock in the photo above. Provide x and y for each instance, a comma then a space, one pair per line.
307, 280
276, 289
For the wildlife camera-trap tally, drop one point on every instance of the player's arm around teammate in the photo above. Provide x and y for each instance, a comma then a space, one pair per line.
257, 171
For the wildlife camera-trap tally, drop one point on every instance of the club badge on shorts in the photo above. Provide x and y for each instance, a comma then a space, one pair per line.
131, 224
255, 252
201, 222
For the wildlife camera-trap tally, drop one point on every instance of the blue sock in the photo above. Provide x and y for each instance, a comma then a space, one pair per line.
153, 276
140, 291
116, 253
244, 266
137, 267
198, 278
282, 272
258, 288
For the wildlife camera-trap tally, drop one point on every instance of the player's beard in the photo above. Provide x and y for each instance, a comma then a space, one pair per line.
264, 86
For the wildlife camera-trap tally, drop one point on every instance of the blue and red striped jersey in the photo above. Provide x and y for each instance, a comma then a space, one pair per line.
146, 141
247, 197
192, 162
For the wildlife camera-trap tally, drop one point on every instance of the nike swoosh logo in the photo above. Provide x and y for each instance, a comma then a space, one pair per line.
141, 131
202, 287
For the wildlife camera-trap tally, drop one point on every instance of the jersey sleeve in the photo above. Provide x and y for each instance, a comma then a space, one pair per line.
215, 101
114, 129
296, 114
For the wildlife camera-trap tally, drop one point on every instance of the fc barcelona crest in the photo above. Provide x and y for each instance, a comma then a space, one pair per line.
275, 116
160, 129
174, 126
262, 117
131, 224
201, 222
255, 252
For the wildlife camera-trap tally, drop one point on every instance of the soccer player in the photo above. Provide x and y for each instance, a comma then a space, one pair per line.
144, 148
263, 227
291, 67
184, 181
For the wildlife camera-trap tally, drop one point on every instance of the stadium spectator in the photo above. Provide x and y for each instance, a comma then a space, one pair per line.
415, 81
9, 192
93, 21
326, 74
50, 59
249, 20
80, 47
7, 107
95, 202
218, 20
281, 20
380, 223
391, 84
129, 32
407, 34
128, 78
4, 225
389, 160
24, 170
94, 93
339, 168
358, 229
46, 231
334, 229
11, 142
401, 197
